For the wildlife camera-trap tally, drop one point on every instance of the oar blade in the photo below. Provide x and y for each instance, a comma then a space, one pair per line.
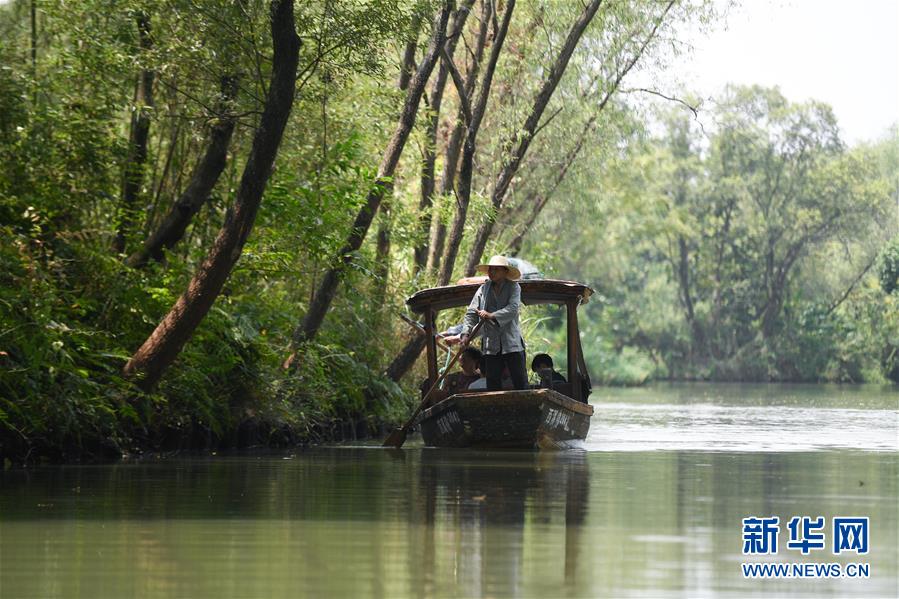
395, 439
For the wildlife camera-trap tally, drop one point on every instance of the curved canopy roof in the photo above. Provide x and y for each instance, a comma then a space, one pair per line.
535, 291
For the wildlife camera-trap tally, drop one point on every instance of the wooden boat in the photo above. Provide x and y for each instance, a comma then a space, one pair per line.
535, 418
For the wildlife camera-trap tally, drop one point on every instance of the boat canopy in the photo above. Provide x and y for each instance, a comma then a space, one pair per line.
571, 294
533, 291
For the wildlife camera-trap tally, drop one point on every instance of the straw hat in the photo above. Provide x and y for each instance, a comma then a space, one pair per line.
514, 273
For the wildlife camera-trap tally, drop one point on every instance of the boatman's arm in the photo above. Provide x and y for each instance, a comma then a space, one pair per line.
471, 315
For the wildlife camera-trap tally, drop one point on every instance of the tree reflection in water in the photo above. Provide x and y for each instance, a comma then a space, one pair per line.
485, 501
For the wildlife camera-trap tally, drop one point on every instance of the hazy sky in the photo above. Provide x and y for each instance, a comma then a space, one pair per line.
845, 53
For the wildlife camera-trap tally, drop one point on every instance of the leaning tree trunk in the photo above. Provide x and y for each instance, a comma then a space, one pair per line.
324, 295
382, 247
463, 189
137, 146
472, 115
539, 201
165, 343
34, 40
381, 268
510, 168
385, 219
205, 176
454, 147
429, 160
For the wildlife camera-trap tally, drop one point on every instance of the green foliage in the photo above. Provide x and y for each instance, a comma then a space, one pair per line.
889, 267
71, 313
69, 324
331, 387
738, 252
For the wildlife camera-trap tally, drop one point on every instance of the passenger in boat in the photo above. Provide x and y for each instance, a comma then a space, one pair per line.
497, 302
469, 361
542, 364
481, 383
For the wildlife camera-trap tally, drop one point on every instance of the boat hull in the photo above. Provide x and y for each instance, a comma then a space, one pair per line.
536, 418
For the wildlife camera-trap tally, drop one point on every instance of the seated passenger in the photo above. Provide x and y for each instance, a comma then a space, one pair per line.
542, 364
469, 361
481, 383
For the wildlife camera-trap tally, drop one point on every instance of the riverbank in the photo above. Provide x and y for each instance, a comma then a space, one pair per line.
278, 420
153, 424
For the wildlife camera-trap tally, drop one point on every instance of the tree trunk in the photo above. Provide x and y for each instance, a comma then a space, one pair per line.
540, 201
34, 41
722, 235
429, 159
454, 147
683, 276
472, 117
166, 167
382, 248
205, 176
328, 287
385, 224
526, 134
777, 290
140, 134
165, 343
407, 68
463, 190
407, 357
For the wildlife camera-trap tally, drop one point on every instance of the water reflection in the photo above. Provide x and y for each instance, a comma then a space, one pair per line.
483, 506
424, 523
366, 522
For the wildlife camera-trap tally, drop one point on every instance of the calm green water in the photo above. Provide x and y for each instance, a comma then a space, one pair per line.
651, 507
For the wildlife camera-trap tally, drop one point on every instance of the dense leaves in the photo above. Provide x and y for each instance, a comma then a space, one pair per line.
750, 249
744, 250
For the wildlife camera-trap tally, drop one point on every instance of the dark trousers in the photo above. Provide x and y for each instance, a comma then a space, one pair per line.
517, 369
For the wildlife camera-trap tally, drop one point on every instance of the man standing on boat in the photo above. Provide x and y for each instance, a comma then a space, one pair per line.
497, 302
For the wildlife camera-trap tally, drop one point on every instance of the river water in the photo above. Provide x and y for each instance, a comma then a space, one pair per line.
652, 506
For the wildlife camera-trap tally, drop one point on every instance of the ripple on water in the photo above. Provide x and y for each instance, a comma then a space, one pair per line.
709, 427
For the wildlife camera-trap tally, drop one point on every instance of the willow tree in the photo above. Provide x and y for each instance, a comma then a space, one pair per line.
407, 356
527, 132
538, 196
472, 116
149, 362
327, 289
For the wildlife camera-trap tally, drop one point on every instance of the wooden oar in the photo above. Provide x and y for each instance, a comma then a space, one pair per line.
398, 436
